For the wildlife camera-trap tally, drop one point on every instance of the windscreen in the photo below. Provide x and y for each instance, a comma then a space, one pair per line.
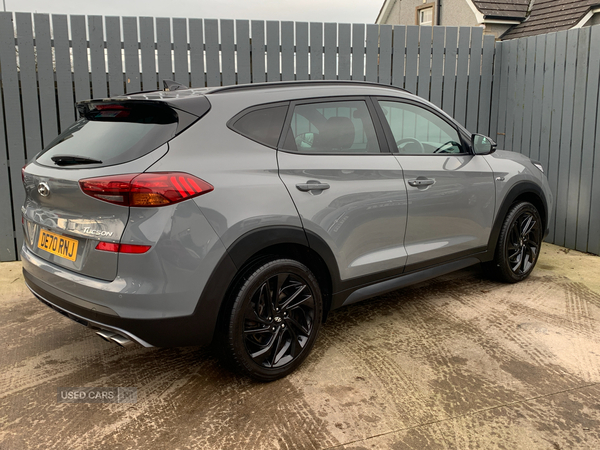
111, 133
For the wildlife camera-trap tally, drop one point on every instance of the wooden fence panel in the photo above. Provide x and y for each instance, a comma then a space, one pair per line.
385, 54
273, 69
29, 95
538, 92
227, 52
372, 50
546, 130
97, 58
511, 88
529, 71
81, 69
474, 79
450, 70
213, 71
64, 78
412, 58
148, 53
7, 234
287, 51
425, 38
258, 51
485, 95
242, 32
301, 51
316, 51
462, 77
133, 82
180, 51
399, 56
496, 82
358, 52
164, 50
114, 56
330, 69
518, 95
437, 66
344, 53
45, 68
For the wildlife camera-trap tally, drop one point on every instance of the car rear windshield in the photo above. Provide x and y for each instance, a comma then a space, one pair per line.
111, 133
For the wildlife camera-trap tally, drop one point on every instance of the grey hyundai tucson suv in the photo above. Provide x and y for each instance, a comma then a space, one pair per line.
242, 215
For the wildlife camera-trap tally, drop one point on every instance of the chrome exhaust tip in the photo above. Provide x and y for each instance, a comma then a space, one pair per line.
106, 335
115, 338
121, 340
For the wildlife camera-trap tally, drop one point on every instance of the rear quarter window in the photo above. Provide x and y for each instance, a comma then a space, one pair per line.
263, 124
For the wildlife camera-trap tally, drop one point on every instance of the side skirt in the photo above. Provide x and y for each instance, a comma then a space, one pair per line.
353, 296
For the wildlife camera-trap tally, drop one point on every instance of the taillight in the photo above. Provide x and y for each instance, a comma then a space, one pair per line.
122, 248
146, 189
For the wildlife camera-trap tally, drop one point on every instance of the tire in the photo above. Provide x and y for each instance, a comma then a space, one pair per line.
268, 336
519, 243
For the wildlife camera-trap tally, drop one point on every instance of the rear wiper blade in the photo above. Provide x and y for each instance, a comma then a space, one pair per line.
66, 160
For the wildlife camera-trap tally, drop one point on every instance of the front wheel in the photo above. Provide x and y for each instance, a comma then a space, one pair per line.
519, 243
275, 318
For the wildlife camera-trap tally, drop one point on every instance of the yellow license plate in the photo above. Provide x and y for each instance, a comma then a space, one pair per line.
58, 245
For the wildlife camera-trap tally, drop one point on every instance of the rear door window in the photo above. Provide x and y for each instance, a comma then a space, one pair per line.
109, 134
335, 127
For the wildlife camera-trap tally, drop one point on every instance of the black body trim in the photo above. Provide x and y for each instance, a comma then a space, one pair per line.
259, 239
195, 329
256, 241
407, 279
520, 188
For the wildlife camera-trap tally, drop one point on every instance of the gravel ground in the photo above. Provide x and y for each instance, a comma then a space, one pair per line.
460, 362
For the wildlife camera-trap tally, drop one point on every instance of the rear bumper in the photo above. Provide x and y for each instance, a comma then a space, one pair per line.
194, 329
167, 332
41, 296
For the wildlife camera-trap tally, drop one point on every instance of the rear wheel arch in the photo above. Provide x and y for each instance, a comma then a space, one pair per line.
258, 246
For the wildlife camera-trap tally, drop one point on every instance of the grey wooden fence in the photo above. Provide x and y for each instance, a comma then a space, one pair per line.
47, 63
545, 105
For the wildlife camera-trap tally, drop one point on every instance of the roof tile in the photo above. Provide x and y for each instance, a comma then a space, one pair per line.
551, 15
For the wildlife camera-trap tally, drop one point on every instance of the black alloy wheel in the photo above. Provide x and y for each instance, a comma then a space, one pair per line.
519, 243
275, 319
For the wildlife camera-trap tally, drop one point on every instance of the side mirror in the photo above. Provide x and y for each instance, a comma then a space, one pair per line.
482, 145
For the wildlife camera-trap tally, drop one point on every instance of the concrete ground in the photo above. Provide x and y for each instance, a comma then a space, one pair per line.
460, 362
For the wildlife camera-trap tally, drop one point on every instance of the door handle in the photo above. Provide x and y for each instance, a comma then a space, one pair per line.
312, 185
421, 182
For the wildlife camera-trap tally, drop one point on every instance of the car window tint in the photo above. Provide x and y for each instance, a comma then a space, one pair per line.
262, 125
417, 130
114, 133
332, 127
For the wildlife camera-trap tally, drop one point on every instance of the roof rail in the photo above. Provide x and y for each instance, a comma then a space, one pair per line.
277, 84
